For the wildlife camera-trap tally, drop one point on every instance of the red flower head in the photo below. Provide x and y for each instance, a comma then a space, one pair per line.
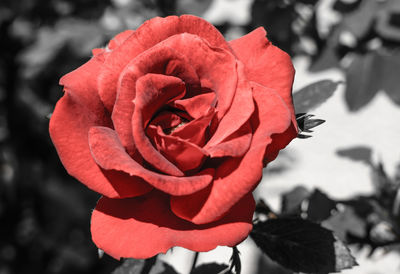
173, 126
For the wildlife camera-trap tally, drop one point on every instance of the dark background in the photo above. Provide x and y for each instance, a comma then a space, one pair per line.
45, 213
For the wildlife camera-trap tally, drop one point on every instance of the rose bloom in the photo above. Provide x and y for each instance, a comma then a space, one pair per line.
173, 125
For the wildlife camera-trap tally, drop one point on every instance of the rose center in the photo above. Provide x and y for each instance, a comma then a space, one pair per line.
168, 131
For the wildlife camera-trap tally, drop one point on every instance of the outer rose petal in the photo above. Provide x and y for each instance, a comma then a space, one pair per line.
69, 126
111, 155
279, 140
114, 43
235, 118
143, 227
79, 109
146, 36
266, 64
119, 39
237, 176
271, 67
236, 145
81, 85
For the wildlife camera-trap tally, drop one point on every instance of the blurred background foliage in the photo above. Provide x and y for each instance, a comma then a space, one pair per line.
44, 213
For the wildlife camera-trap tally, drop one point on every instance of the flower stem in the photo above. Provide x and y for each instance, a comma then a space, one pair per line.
196, 256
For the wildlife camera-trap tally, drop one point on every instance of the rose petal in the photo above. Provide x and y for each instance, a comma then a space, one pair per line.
236, 145
127, 186
81, 85
259, 56
79, 109
152, 92
215, 67
111, 155
159, 29
266, 64
237, 176
69, 126
98, 51
119, 39
279, 139
156, 60
166, 120
196, 106
185, 155
113, 44
146, 36
196, 131
143, 227
238, 114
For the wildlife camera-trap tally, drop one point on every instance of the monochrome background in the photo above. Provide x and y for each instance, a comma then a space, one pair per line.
45, 214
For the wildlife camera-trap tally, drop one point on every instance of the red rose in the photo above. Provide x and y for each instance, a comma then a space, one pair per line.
173, 125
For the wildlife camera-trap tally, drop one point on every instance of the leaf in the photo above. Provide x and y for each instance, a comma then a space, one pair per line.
266, 265
328, 58
347, 222
390, 67
370, 73
312, 96
362, 78
303, 136
385, 188
302, 246
149, 266
211, 268
320, 206
343, 257
291, 201
357, 153
312, 123
305, 124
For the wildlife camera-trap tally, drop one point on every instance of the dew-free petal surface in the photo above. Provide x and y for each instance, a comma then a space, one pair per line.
236, 177
146, 36
109, 153
185, 155
238, 114
157, 60
75, 113
196, 131
196, 106
145, 226
152, 92
265, 63
217, 70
